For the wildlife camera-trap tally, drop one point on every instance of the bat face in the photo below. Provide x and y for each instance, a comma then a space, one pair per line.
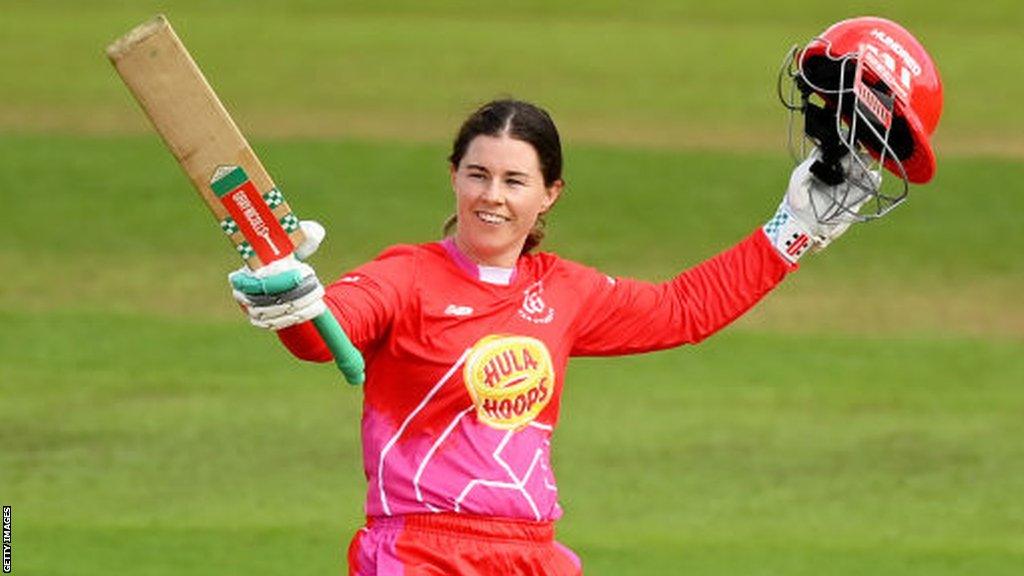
221, 165
201, 135
258, 224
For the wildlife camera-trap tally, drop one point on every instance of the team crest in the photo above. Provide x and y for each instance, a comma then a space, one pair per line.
534, 308
510, 379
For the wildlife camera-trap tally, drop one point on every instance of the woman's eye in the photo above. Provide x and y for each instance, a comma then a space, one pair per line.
515, 182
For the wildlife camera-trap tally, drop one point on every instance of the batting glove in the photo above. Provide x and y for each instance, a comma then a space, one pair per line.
812, 213
286, 292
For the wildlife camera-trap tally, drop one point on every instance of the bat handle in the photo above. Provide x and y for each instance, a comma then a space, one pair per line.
346, 356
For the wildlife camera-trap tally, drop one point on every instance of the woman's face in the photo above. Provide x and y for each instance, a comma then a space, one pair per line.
499, 193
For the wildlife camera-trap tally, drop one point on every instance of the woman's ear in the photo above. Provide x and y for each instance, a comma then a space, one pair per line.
552, 194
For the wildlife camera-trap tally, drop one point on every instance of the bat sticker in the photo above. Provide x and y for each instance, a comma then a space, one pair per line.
251, 214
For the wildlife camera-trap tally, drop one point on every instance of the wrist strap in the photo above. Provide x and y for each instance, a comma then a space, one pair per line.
788, 236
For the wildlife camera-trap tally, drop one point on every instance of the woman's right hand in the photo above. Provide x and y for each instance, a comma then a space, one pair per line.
286, 292
282, 294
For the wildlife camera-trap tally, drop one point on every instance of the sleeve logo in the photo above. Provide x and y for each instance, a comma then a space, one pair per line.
510, 379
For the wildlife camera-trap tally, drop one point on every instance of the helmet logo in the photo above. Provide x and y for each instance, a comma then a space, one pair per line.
900, 51
882, 63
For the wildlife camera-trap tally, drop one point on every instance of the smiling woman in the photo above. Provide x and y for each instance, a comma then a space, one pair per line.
467, 340
506, 167
500, 195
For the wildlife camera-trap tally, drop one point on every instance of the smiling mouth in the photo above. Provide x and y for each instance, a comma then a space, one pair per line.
491, 218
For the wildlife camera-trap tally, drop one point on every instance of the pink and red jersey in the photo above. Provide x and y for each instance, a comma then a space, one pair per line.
464, 377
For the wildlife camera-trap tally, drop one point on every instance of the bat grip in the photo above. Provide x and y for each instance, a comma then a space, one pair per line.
346, 356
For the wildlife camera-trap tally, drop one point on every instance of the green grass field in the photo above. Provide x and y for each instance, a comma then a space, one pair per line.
868, 418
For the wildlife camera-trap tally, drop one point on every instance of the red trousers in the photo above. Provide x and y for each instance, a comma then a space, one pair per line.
458, 545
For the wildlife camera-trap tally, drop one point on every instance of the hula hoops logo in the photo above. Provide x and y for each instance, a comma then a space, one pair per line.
510, 379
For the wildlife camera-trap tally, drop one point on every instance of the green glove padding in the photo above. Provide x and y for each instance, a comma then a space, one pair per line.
247, 283
346, 356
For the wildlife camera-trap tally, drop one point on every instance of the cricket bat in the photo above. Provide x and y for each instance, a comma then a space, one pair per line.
223, 168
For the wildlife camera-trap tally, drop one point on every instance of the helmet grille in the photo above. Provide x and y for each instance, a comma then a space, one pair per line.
822, 75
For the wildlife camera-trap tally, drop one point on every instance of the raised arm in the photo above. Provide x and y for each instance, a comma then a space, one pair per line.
625, 316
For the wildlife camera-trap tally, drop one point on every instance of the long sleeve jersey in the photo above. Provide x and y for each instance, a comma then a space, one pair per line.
464, 378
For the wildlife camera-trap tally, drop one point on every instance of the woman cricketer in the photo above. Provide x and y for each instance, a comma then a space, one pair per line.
466, 342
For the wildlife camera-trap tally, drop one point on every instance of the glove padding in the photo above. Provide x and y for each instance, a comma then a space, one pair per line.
283, 293
315, 234
812, 213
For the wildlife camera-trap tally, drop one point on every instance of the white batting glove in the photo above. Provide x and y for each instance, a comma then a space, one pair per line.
809, 215
315, 234
283, 293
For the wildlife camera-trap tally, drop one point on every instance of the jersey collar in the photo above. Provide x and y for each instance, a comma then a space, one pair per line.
488, 274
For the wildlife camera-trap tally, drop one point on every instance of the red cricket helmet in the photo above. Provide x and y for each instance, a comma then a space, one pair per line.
873, 70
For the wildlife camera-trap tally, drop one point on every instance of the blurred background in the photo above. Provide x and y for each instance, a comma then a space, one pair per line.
868, 417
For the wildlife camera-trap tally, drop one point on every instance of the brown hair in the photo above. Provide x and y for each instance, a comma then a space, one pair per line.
522, 121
